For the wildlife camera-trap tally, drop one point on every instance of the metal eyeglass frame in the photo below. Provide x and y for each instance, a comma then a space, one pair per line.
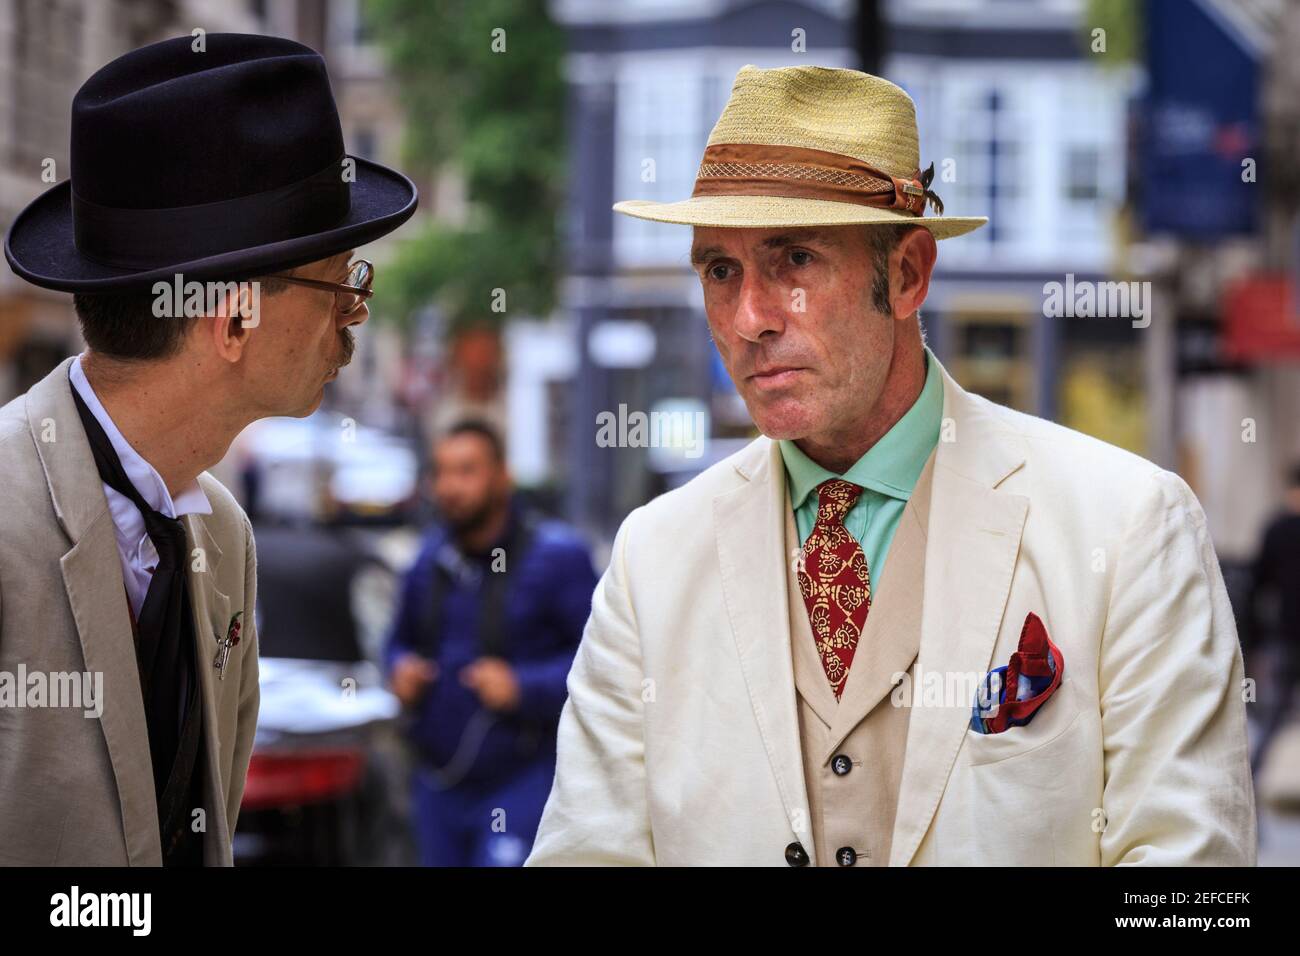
361, 291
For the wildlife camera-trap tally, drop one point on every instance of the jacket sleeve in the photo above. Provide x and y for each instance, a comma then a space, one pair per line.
597, 812
1178, 787
403, 635
542, 682
249, 691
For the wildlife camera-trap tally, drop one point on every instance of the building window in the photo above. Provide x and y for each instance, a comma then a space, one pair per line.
1082, 168
1036, 147
990, 155
660, 136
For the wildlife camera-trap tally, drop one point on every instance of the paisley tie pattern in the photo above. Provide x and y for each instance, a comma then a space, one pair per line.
835, 582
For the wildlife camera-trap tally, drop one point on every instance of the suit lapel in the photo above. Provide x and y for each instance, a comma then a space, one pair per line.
749, 524
92, 577
211, 609
973, 539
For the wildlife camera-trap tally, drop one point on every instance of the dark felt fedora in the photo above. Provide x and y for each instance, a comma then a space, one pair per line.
224, 163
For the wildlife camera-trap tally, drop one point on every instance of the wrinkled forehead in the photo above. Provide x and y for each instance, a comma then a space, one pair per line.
713, 242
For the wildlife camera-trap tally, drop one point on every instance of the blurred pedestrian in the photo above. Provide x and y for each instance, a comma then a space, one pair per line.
1277, 577
489, 618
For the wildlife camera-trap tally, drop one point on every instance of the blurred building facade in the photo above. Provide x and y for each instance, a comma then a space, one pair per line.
1217, 194
1025, 125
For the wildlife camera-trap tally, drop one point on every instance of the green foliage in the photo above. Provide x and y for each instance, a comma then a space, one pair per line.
1123, 22
497, 118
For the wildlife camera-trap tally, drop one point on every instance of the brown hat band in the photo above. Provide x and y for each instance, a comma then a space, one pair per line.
793, 172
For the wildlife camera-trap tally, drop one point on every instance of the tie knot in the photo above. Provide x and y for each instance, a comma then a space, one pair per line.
168, 537
835, 498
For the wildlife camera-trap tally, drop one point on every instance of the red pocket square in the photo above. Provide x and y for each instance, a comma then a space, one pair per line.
1023, 685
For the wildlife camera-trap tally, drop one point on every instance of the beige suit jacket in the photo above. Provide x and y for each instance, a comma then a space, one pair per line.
78, 790
680, 740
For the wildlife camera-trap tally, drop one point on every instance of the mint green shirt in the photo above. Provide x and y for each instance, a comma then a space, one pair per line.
887, 473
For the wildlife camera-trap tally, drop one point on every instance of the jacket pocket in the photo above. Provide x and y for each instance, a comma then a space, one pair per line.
1053, 719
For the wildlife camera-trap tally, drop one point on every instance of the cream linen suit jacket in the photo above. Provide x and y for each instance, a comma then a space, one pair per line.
679, 743
76, 790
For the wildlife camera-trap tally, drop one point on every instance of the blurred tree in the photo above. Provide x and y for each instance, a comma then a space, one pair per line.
1123, 22
483, 93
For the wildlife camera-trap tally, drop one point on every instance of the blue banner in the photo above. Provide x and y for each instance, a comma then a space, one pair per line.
1201, 121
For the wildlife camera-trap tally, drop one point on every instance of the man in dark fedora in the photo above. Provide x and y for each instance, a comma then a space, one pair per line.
128, 647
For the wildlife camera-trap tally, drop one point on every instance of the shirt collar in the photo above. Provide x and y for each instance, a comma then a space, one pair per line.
893, 464
140, 473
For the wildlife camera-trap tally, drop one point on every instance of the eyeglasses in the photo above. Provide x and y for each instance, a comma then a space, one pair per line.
348, 296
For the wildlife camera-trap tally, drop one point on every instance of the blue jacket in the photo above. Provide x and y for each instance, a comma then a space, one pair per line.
547, 605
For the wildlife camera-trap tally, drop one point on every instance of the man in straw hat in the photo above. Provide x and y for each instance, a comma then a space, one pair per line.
906, 625
207, 234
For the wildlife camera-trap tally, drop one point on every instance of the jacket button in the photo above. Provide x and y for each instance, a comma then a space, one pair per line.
841, 765
846, 856
796, 855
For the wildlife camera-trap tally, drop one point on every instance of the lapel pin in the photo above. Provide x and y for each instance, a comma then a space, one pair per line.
224, 645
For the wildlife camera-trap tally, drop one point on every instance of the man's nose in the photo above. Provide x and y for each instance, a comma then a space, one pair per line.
356, 318
758, 309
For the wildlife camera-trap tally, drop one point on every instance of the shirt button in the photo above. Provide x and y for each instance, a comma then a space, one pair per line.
841, 764
796, 855
846, 856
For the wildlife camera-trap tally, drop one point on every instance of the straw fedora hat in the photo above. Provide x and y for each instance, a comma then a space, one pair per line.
811, 146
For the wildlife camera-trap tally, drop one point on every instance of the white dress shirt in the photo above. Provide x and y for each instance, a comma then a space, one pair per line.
139, 558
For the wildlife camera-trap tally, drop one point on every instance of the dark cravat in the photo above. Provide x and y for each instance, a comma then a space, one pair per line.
164, 638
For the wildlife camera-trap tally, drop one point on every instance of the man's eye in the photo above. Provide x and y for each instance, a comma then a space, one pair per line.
718, 272
800, 257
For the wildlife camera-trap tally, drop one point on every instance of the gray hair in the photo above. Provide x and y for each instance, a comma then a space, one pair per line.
881, 241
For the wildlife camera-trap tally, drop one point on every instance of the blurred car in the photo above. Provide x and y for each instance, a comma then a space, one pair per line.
316, 794
323, 781
327, 467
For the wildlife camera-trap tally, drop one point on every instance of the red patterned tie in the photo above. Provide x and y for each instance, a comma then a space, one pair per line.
834, 581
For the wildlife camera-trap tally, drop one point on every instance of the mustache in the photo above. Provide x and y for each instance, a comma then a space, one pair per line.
347, 345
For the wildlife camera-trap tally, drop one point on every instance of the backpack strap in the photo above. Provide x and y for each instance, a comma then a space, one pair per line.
493, 636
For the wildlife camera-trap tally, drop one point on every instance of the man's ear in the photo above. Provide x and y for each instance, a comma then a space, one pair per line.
237, 316
916, 255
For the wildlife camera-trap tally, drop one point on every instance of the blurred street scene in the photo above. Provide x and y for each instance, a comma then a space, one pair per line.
1144, 147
